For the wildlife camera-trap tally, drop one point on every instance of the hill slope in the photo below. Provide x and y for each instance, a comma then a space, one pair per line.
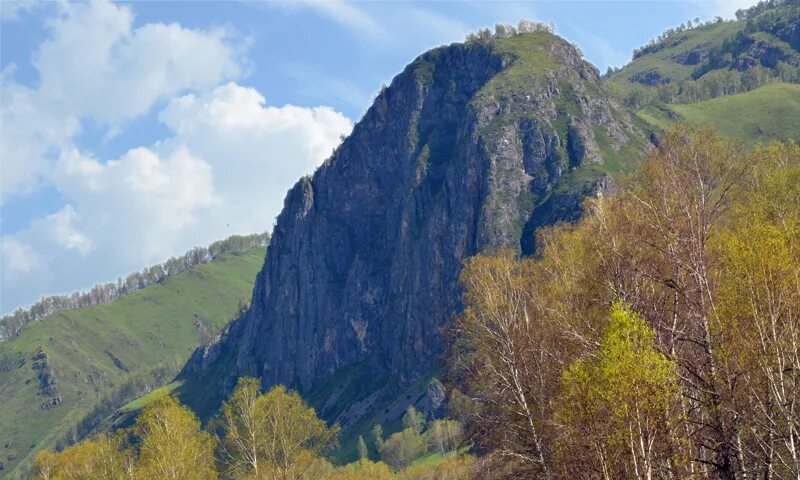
767, 113
56, 370
715, 59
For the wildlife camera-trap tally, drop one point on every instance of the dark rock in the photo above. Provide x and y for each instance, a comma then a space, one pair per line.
48, 383
117, 362
51, 403
649, 77
694, 56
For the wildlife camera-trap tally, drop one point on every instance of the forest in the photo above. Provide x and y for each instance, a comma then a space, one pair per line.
658, 337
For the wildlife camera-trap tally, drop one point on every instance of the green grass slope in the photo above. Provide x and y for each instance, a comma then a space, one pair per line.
770, 112
96, 352
767, 113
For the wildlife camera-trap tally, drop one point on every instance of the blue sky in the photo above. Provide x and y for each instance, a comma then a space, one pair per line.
133, 131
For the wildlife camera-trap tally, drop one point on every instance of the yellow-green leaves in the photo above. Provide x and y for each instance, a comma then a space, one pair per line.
171, 444
273, 435
89, 460
614, 405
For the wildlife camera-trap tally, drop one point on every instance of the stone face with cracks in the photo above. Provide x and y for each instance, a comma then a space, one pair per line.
364, 260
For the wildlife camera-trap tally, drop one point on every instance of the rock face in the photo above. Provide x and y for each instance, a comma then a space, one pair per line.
472, 147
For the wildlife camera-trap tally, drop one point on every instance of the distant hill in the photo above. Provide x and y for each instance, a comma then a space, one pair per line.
64, 373
697, 62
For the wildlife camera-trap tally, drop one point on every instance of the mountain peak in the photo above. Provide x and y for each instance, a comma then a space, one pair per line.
472, 147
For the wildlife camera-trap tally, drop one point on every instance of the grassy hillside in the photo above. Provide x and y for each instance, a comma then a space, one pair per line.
770, 112
72, 360
767, 113
667, 62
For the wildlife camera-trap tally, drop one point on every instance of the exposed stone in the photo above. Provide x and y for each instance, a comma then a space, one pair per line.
649, 77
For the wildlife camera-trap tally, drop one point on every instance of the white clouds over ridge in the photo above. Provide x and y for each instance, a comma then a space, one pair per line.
224, 168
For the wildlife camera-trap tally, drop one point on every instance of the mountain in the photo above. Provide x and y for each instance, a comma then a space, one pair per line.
471, 148
62, 374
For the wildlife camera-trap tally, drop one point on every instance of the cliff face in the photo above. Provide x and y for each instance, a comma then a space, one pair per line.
471, 147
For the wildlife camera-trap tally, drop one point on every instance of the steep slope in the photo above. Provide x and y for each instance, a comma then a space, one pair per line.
64, 372
471, 147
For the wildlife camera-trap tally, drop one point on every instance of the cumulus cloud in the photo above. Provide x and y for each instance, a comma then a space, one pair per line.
97, 65
224, 170
223, 167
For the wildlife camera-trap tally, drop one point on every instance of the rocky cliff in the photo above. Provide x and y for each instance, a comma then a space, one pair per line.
472, 147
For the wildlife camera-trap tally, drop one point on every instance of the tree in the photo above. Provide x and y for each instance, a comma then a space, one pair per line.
502, 356
274, 435
614, 406
414, 420
363, 470
759, 312
363, 451
171, 444
445, 435
242, 428
88, 460
377, 436
701, 243
402, 448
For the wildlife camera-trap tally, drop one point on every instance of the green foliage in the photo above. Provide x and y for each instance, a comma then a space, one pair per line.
531, 59
275, 435
92, 459
714, 60
414, 420
767, 113
256, 436
169, 444
402, 448
445, 436
364, 470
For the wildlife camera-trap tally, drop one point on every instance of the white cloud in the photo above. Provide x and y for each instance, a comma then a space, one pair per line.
17, 257
97, 65
225, 170
256, 151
